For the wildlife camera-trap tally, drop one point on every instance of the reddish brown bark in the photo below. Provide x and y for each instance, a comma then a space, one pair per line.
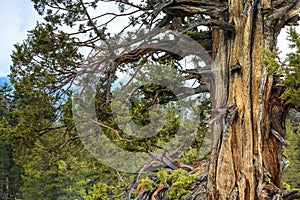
246, 158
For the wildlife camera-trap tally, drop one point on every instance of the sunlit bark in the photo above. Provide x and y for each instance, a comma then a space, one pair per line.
245, 162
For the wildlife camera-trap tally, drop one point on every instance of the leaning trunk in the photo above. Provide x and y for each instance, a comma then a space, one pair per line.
245, 161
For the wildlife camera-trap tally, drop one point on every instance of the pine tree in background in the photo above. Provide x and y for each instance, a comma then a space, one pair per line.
291, 72
10, 172
292, 173
288, 75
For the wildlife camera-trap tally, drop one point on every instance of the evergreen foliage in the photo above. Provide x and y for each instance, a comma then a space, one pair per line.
292, 173
288, 70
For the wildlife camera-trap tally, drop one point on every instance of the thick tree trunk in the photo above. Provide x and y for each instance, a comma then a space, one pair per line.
248, 116
245, 161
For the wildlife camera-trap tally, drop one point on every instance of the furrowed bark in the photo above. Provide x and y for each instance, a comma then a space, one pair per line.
242, 157
248, 129
189, 7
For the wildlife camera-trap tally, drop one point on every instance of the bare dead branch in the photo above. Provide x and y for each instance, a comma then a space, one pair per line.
116, 132
163, 159
191, 7
198, 71
285, 12
290, 194
156, 192
279, 138
210, 22
159, 7
138, 174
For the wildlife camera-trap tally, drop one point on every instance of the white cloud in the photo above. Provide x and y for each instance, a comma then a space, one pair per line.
16, 18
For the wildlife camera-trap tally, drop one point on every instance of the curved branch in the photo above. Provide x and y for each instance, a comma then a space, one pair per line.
136, 54
286, 12
290, 194
211, 22
191, 7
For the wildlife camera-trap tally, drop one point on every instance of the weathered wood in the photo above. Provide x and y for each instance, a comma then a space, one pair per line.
191, 7
247, 138
211, 22
290, 194
239, 157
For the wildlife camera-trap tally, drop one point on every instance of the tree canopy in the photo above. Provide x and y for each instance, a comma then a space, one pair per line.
190, 97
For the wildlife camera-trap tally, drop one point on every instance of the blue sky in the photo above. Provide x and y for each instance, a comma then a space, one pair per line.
16, 18
19, 16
